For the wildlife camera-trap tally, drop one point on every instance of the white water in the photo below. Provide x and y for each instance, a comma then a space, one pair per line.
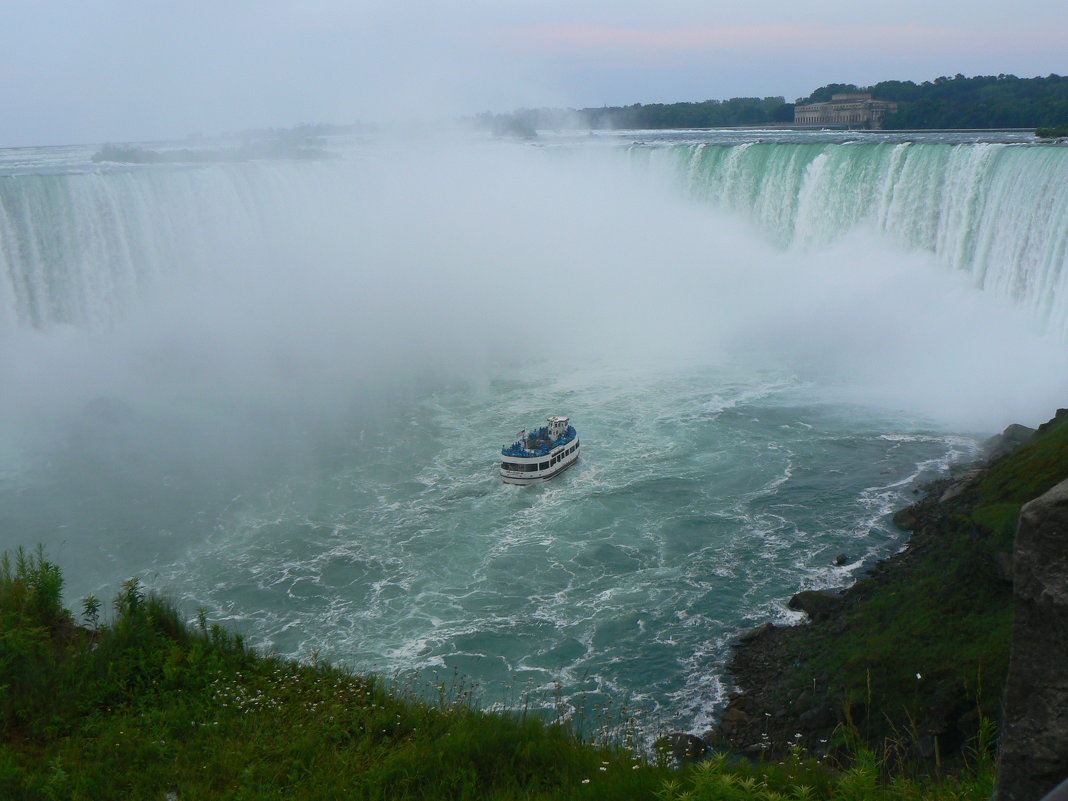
277, 389
995, 211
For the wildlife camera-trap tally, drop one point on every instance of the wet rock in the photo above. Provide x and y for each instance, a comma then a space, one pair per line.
756, 633
1008, 440
734, 721
803, 701
907, 519
685, 746
958, 486
817, 718
817, 604
739, 701
841, 559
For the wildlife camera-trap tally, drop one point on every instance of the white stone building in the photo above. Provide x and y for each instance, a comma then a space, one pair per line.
854, 110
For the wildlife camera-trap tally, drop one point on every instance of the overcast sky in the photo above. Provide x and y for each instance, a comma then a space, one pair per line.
86, 71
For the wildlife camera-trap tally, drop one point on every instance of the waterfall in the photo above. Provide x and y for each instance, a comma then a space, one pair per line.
80, 248
998, 212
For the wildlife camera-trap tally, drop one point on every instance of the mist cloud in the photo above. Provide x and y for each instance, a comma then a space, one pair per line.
422, 265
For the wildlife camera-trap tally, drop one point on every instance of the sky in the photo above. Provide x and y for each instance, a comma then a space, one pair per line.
89, 71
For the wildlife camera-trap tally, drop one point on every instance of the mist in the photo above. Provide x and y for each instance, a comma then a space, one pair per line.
420, 266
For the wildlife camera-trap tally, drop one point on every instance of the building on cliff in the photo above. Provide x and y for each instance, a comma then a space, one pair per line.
854, 110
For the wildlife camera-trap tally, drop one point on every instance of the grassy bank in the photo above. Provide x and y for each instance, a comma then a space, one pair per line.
915, 655
149, 707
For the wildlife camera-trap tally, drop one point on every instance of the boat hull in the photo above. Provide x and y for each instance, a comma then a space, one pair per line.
509, 477
534, 469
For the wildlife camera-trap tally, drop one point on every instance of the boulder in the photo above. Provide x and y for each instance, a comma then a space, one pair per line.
959, 485
684, 747
756, 633
817, 718
908, 519
734, 721
1008, 440
1033, 757
817, 604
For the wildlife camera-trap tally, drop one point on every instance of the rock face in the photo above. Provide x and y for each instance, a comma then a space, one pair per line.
685, 747
817, 604
1033, 757
1008, 440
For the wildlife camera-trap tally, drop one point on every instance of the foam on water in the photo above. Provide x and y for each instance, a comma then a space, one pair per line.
702, 501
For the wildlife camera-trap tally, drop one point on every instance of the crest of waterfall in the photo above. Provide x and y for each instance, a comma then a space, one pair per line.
998, 212
80, 248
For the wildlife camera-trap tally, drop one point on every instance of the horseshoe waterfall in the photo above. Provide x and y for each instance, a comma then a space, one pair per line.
278, 390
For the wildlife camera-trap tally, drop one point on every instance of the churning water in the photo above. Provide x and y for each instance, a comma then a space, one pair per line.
278, 390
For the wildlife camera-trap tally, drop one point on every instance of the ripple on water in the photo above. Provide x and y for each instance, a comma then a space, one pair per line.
702, 501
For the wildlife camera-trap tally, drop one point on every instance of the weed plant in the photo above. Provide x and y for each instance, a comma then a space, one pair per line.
151, 707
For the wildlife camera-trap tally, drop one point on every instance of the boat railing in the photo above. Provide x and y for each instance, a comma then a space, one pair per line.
537, 443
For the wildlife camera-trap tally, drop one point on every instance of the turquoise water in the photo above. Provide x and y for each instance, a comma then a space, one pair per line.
279, 391
704, 498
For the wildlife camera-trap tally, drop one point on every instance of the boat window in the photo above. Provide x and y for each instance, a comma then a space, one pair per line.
519, 468
543, 466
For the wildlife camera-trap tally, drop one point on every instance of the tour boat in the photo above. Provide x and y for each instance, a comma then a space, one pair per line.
541, 454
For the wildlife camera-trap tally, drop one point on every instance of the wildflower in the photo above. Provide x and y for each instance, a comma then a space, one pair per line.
585, 781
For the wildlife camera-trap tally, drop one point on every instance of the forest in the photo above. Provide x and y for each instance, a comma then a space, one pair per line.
983, 101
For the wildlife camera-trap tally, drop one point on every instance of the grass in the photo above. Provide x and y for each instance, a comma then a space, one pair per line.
925, 648
150, 707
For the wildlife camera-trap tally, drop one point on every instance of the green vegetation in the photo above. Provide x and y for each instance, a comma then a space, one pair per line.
706, 114
800, 778
984, 101
150, 707
922, 650
1054, 132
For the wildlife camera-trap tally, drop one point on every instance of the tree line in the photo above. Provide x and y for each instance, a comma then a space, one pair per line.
983, 101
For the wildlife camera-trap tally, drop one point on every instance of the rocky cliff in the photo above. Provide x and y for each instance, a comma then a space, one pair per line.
913, 657
1033, 757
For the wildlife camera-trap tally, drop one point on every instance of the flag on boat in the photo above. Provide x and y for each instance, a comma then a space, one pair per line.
521, 434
